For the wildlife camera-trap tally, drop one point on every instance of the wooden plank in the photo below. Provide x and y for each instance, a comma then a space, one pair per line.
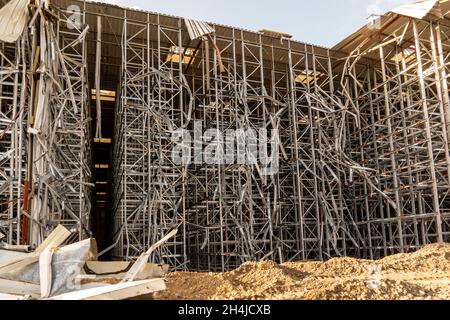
45, 272
120, 268
55, 239
149, 271
119, 291
107, 267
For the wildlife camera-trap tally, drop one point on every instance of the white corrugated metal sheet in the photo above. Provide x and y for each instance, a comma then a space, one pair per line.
416, 10
428, 10
13, 18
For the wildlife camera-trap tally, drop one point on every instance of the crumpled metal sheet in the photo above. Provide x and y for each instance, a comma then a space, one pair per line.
13, 19
197, 29
67, 264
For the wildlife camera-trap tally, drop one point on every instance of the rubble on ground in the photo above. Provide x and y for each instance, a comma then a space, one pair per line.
71, 272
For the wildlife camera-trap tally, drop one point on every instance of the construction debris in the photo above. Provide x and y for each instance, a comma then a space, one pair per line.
71, 272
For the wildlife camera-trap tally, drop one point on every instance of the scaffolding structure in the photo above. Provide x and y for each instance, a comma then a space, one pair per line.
401, 132
360, 133
148, 196
46, 166
12, 138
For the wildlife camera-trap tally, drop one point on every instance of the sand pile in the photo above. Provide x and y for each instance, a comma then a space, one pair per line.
424, 274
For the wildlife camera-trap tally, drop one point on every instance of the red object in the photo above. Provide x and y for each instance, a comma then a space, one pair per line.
24, 218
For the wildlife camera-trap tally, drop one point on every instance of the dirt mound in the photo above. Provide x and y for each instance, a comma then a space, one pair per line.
424, 274
435, 257
191, 286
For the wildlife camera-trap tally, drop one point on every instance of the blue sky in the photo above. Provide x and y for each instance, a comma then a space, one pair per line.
321, 22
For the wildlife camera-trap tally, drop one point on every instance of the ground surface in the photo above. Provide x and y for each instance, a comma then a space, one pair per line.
421, 275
